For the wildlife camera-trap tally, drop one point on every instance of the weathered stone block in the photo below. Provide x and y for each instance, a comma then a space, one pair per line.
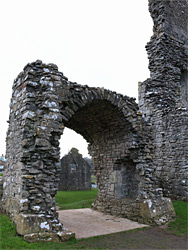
49, 237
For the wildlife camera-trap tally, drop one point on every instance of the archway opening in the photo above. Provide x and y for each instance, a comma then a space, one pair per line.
109, 135
75, 184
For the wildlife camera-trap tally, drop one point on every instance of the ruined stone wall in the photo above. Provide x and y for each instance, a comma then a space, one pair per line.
163, 98
43, 102
75, 172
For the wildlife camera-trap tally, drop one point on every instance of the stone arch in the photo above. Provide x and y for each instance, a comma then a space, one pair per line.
43, 103
109, 123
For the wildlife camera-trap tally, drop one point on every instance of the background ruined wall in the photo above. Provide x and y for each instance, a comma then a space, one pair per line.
75, 172
163, 99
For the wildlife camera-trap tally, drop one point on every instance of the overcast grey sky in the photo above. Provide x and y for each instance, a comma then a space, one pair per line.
94, 42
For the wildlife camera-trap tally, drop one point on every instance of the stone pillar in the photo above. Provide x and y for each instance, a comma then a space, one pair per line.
33, 154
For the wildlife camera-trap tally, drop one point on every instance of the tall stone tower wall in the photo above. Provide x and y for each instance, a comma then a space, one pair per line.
163, 99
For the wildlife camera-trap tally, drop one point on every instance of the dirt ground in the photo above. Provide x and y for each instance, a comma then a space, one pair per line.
150, 238
88, 223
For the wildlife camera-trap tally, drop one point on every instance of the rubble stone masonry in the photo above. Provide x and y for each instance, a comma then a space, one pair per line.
163, 99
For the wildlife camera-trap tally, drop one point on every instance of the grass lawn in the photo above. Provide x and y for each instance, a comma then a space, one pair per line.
180, 225
75, 199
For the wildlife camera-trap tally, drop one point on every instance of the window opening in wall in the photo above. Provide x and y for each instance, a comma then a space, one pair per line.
72, 167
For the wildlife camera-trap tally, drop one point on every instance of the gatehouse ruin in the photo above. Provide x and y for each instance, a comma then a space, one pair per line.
139, 150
